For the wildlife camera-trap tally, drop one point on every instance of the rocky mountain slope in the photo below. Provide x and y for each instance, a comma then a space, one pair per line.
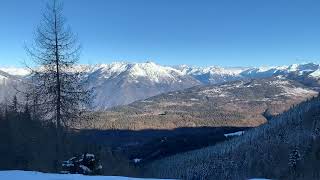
124, 83
8, 84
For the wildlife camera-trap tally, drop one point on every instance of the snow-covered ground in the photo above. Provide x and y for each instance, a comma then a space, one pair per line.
32, 175
238, 133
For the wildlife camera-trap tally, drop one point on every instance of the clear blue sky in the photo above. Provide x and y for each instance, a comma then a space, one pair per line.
196, 32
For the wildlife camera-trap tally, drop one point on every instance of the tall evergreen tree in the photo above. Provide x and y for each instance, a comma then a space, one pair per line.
58, 88
294, 158
58, 85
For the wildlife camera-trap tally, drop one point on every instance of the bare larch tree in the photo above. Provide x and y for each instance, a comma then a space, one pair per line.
60, 91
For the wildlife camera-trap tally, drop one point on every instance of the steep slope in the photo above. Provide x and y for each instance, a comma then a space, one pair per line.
239, 103
8, 84
287, 147
123, 83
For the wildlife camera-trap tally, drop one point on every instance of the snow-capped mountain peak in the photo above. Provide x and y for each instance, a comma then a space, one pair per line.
154, 72
121, 83
15, 71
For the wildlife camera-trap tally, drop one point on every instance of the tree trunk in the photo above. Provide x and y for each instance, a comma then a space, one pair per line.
58, 98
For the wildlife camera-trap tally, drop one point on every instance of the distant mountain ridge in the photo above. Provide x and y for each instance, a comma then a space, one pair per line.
216, 74
207, 75
122, 83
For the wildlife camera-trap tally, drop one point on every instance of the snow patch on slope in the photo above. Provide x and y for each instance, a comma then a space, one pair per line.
289, 90
3, 77
214, 92
297, 91
315, 74
238, 133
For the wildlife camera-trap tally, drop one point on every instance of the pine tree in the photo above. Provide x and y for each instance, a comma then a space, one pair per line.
14, 105
58, 89
58, 86
294, 158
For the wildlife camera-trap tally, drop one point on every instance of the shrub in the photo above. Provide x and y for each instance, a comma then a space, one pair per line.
86, 164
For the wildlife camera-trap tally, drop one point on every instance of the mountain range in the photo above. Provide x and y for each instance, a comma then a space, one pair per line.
122, 83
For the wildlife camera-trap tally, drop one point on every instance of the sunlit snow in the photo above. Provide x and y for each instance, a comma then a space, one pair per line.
32, 175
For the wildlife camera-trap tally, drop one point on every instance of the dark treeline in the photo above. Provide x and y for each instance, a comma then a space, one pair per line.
27, 142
